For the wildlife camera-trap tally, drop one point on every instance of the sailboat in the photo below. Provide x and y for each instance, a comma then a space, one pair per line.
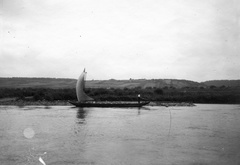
85, 101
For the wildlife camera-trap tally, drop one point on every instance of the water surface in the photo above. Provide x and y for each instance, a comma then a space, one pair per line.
62, 135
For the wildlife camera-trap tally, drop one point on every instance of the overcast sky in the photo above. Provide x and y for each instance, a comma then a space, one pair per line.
180, 39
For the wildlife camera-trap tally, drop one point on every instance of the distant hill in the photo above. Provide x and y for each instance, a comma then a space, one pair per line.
218, 83
57, 83
70, 83
37, 83
143, 83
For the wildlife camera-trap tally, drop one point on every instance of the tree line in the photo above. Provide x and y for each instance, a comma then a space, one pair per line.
226, 95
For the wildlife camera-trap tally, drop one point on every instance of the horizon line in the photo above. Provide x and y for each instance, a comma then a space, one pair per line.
128, 79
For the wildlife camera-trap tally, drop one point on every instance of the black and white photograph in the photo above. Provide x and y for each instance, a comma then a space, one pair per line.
119, 82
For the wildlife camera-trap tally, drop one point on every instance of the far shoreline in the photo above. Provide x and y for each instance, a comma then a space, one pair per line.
66, 103
34, 103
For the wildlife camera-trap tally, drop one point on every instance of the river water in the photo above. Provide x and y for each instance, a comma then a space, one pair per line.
62, 135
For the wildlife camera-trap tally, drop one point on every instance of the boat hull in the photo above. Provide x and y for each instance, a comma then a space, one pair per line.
109, 104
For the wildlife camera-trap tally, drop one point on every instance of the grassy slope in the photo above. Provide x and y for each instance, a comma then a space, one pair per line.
218, 83
36, 83
143, 83
70, 83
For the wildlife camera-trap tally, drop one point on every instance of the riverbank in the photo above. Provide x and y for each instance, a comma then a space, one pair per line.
172, 104
38, 103
225, 95
18, 102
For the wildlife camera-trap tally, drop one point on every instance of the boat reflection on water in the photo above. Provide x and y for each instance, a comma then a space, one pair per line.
80, 121
81, 115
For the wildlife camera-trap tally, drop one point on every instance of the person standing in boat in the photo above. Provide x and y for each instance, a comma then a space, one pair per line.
139, 98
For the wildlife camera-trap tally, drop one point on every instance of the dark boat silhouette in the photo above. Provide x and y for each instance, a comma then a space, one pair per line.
85, 101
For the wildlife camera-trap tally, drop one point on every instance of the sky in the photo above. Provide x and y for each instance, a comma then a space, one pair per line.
195, 40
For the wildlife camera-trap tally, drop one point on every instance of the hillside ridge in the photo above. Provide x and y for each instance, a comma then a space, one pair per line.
23, 82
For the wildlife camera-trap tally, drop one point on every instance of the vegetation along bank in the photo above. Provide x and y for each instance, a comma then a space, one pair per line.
212, 94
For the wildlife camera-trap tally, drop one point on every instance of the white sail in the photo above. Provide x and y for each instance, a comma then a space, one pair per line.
80, 86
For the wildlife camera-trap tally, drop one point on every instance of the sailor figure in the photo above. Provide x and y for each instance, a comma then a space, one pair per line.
139, 98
